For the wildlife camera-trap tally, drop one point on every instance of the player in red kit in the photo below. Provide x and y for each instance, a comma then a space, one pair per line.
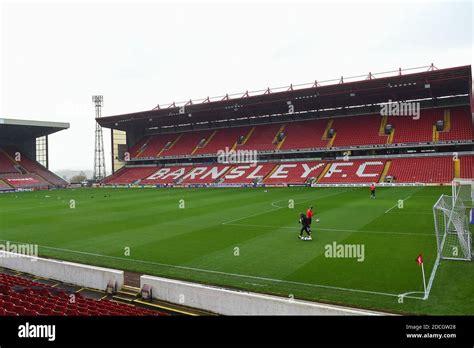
309, 216
372, 191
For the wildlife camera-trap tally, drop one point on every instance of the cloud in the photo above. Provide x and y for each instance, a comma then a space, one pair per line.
55, 55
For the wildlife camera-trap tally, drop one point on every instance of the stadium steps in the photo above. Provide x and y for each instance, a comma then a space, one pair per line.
457, 168
447, 125
326, 131
280, 144
130, 295
435, 134
127, 299
130, 288
143, 147
331, 140
175, 141
20, 169
383, 123
172, 144
205, 144
127, 292
323, 173
390, 137
249, 134
161, 305
275, 139
5, 183
385, 170
447, 120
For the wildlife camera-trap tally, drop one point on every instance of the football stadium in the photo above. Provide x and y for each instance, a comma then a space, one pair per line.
201, 213
236, 172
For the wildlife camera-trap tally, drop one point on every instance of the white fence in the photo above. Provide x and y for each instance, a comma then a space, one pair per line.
231, 302
67, 272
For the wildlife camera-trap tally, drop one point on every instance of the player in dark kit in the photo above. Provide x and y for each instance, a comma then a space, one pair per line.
304, 227
372, 191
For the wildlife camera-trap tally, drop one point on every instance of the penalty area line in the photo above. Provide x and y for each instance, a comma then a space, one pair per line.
236, 275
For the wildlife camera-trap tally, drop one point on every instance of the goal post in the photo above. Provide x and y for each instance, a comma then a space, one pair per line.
463, 190
451, 223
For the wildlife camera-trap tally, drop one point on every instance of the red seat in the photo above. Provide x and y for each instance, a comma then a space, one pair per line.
30, 312
9, 306
44, 300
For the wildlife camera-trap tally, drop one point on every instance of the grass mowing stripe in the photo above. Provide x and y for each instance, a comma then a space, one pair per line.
223, 273
278, 207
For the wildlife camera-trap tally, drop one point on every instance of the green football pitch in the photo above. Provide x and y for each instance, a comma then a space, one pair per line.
246, 238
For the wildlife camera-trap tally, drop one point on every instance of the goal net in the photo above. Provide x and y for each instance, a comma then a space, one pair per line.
452, 228
463, 190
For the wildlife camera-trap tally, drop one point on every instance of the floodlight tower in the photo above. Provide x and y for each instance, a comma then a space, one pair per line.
99, 156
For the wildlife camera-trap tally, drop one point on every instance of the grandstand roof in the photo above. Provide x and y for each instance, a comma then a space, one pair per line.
425, 83
26, 129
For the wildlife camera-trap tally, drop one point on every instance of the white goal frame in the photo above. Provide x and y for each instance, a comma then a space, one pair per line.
453, 236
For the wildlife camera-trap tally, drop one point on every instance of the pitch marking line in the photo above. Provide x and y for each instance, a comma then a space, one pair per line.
278, 207
248, 216
396, 204
407, 213
335, 229
227, 274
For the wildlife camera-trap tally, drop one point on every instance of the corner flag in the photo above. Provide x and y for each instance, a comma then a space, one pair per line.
419, 259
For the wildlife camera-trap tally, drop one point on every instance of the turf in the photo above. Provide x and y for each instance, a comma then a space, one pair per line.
247, 239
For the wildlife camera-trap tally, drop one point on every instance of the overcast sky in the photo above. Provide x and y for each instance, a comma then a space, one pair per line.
56, 55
